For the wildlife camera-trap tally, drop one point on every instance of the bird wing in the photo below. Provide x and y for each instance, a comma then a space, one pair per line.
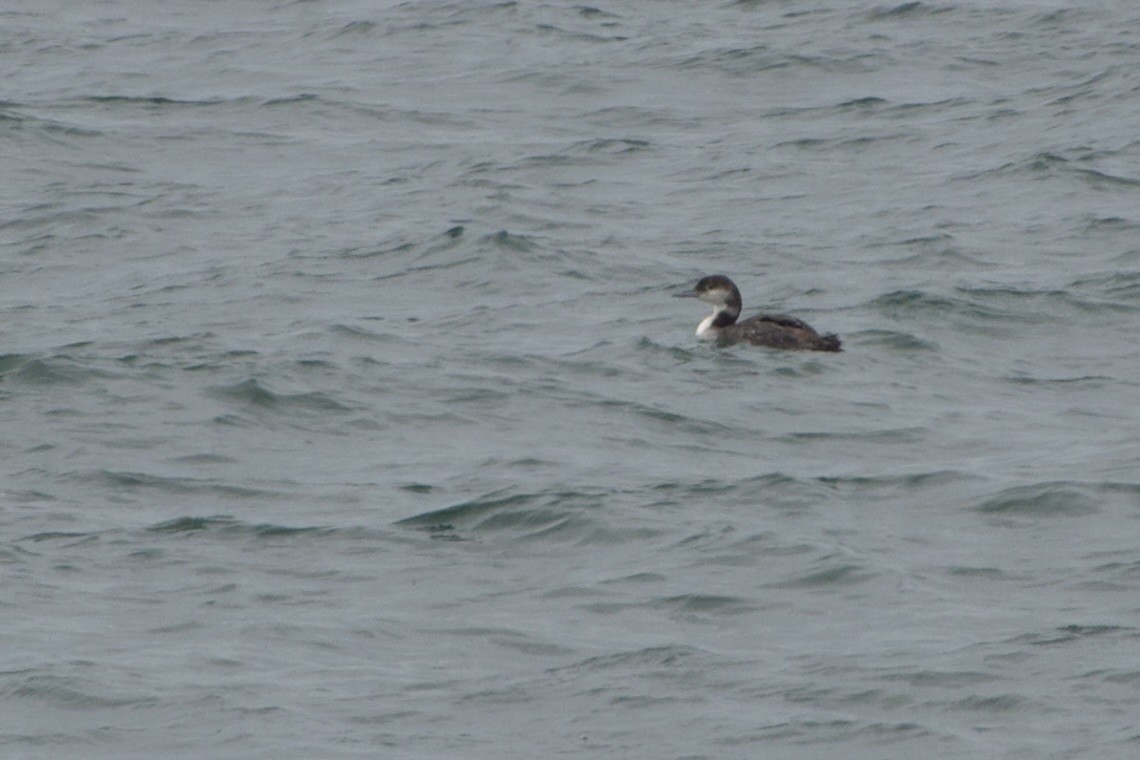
784, 320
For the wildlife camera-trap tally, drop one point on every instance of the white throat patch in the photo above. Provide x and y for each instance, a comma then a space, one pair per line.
704, 329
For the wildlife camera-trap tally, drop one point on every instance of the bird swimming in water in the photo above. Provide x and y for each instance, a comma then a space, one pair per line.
772, 330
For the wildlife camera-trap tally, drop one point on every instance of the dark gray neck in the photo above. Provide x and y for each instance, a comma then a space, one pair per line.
728, 313
725, 316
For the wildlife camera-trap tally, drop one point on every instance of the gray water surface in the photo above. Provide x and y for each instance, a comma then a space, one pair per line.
344, 411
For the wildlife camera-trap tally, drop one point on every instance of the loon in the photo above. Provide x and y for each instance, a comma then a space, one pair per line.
772, 330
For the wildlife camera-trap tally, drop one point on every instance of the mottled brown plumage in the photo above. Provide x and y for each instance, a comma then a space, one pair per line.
771, 330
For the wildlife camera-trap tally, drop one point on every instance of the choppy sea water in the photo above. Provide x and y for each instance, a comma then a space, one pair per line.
344, 411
